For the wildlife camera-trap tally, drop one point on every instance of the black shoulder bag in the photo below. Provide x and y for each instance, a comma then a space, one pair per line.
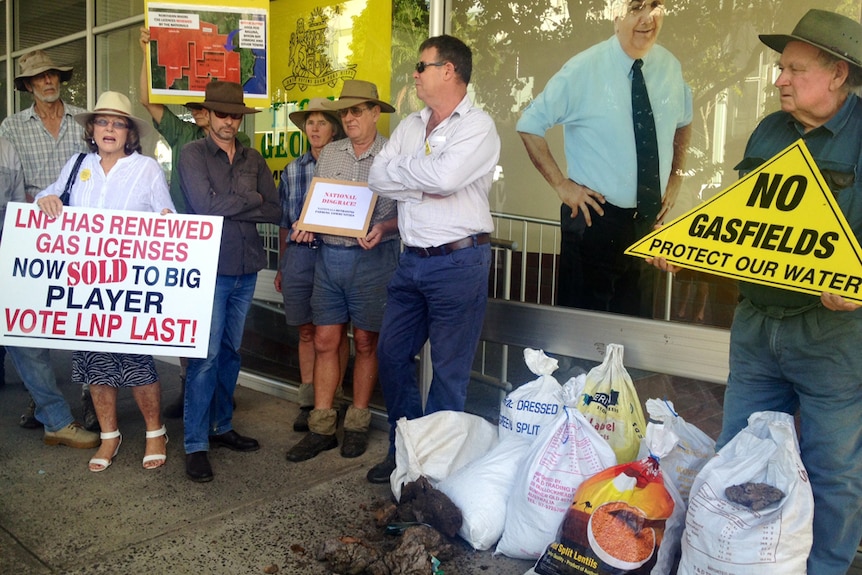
64, 197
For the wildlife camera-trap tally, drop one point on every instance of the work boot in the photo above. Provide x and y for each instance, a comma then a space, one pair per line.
305, 398
174, 410
381, 472
320, 437
356, 424
73, 435
28, 418
91, 422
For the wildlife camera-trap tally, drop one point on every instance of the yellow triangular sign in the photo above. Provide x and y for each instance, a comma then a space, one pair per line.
778, 226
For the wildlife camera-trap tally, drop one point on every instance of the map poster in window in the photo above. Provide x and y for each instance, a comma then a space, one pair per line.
337, 207
193, 43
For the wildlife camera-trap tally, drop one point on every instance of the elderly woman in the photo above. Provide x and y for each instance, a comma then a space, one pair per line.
114, 175
295, 276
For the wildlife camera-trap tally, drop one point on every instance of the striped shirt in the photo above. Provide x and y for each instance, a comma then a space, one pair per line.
338, 161
293, 187
43, 156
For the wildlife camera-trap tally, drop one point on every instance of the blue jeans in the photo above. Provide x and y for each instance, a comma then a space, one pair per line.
808, 362
210, 382
34, 367
441, 299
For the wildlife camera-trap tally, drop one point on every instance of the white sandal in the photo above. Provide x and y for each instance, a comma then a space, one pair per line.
161, 457
106, 463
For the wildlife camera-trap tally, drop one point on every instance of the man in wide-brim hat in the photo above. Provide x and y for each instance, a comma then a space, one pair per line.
220, 176
45, 136
798, 353
357, 297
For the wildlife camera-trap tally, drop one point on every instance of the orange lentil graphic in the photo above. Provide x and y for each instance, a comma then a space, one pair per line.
617, 538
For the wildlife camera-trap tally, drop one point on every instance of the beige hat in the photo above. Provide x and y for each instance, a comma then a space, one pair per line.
835, 34
34, 63
221, 96
314, 105
356, 92
114, 104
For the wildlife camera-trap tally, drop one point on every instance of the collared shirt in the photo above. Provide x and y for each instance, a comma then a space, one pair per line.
43, 156
243, 192
338, 161
591, 97
177, 133
135, 183
835, 147
441, 182
11, 178
293, 187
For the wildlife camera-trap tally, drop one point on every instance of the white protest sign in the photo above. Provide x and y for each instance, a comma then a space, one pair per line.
108, 280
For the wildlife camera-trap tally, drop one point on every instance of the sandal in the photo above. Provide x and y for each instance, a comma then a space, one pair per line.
103, 464
160, 457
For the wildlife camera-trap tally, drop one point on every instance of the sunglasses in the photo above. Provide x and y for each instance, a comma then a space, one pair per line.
116, 124
422, 66
353, 110
223, 115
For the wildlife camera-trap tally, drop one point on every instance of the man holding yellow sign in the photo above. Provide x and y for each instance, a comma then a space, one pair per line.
790, 350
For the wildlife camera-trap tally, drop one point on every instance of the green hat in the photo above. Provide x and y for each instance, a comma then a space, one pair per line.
833, 33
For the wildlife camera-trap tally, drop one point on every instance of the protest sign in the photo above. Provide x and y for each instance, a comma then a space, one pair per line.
108, 280
779, 226
338, 208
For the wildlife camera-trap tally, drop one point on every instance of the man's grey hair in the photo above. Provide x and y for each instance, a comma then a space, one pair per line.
854, 73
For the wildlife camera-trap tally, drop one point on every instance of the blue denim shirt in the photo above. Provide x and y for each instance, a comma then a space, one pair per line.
836, 148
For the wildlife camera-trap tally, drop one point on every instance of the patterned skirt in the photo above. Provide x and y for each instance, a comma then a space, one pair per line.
113, 369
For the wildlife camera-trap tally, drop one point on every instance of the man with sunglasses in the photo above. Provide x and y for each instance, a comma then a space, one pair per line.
221, 177
439, 166
350, 277
177, 134
592, 97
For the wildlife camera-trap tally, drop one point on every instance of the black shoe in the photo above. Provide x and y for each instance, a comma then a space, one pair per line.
380, 473
310, 446
354, 444
174, 410
28, 418
91, 422
233, 440
301, 422
198, 467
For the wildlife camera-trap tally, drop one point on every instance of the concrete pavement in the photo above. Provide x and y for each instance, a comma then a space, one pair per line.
58, 517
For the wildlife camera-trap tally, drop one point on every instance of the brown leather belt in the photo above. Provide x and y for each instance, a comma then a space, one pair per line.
468, 242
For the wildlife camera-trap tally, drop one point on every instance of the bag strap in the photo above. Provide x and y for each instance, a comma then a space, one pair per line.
64, 197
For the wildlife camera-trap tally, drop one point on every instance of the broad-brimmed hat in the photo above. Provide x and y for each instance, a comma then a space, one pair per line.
115, 104
833, 33
356, 92
314, 105
221, 96
34, 63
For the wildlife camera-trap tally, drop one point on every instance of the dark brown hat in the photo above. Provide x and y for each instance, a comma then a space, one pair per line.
356, 92
34, 63
831, 32
224, 97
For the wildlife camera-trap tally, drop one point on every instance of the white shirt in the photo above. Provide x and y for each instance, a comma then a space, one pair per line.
441, 182
135, 183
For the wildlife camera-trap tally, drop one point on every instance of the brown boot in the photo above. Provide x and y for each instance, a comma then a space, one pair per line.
356, 424
305, 398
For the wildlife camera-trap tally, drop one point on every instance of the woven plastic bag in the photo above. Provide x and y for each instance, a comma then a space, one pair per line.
567, 451
611, 405
730, 538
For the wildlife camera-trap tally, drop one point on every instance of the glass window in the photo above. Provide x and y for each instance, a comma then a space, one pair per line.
75, 91
40, 22
108, 11
518, 46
